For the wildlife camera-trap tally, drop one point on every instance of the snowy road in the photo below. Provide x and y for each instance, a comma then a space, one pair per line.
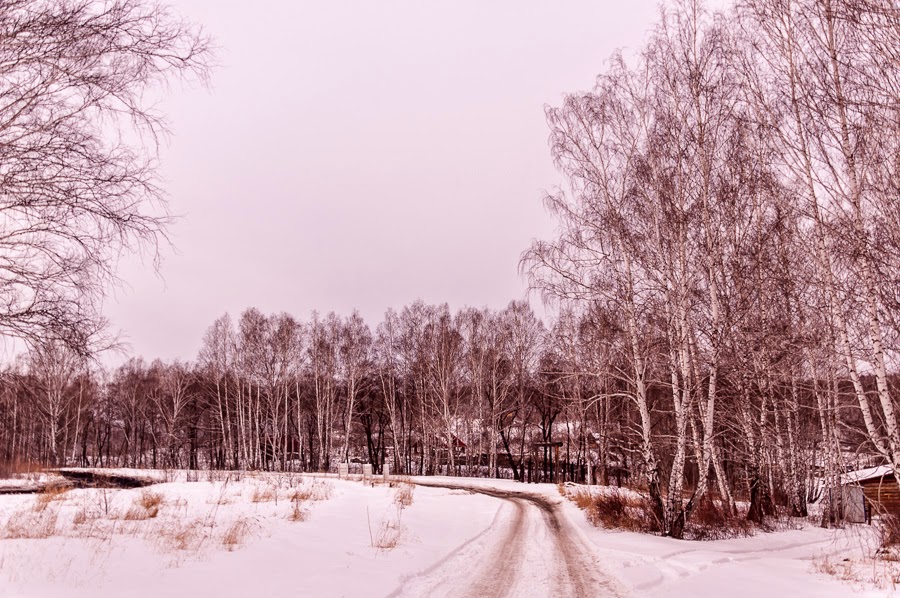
530, 549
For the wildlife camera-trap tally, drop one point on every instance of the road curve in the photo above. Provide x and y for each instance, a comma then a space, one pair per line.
530, 550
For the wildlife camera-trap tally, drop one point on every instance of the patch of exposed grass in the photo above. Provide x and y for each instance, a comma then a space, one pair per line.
613, 508
264, 494
48, 495
403, 496
298, 513
181, 535
34, 524
236, 533
315, 491
144, 506
388, 535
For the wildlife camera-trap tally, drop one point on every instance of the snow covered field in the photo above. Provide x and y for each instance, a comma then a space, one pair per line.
292, 535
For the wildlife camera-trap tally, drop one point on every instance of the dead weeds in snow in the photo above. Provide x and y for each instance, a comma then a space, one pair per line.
861, 572
388, 535
31, 524
138, 514
314, 491
710, 521
865, 559
80, 517
389, 532
403, 496
181, 535
236, 533
48, 495
621, 508
298, 513
391, 529
612, 508
145, 506
266, 493
178, 526
150, 500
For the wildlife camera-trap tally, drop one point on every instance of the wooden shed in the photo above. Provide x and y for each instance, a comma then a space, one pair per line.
879, 485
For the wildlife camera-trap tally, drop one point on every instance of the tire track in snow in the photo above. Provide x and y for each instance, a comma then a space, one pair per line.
536, 552
469, 561
499, 579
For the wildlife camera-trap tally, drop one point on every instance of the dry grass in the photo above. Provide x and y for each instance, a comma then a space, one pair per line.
150, 500
391, 530
236, 533
48, 495
388, 535
186, 538
710, 521
31, 525
403, 496
80, 517
137, 514
877, 565
264, 494
225, 497
182, 535
315, 491
145, 506
842, 570
613, 508
176, 529
298, 513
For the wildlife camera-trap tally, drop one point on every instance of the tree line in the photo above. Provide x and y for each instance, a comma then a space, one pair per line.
477, 392
425, 391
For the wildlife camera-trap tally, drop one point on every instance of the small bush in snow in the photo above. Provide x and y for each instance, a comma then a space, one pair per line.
235, 534
145, 506
388, 535
710, 521
613, 508
403, 497
298, 513
264, 494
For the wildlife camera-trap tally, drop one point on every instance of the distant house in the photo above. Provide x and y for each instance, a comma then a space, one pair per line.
879, 486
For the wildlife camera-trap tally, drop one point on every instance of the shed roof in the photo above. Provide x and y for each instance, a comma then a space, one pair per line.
869, 473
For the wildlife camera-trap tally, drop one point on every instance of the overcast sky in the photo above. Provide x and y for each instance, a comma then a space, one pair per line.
362, 155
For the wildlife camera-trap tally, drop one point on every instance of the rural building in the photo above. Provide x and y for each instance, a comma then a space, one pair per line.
879, 486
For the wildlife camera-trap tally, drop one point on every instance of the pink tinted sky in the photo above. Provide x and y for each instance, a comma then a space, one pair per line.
362, 155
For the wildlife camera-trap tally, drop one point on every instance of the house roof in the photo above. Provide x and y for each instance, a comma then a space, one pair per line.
870, 473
